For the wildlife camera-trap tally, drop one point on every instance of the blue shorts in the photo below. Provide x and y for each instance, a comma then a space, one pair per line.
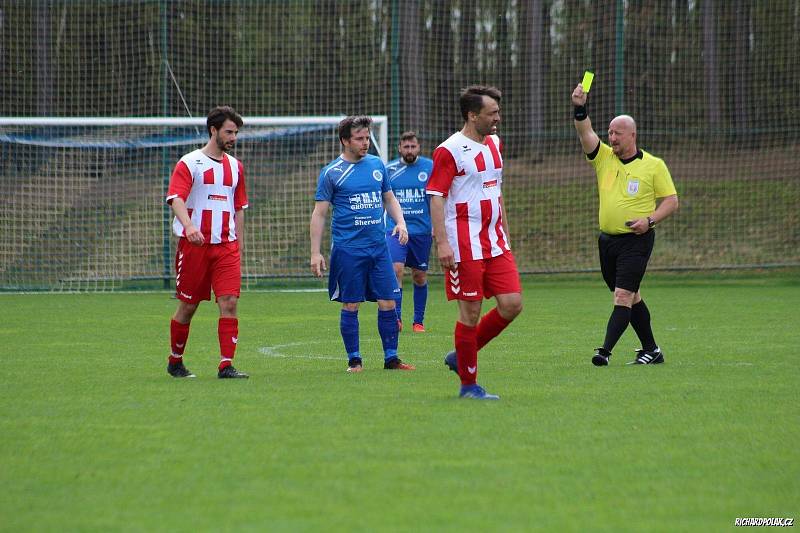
415, 253
361, 274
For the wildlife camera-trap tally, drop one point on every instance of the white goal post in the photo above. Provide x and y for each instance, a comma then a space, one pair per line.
85, 203
380, 133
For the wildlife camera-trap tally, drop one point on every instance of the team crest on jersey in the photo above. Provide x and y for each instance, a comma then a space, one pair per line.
633, 187
422, 176
377, 174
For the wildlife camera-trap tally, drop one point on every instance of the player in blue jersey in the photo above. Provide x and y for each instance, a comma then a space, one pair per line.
408, 177
357, 187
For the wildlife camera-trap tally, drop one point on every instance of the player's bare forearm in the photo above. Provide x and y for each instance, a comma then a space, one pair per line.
394, 210
504, 221
318, 217
317, 226
589, 139
437, 218
443, 249
194, 235
667, 206
181, 213
238, 219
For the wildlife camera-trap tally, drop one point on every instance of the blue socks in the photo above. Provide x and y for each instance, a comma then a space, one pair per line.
420, 301
388, 330
348, 326
399, 305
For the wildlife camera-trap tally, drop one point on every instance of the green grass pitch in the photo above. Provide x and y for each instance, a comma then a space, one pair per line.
96, 436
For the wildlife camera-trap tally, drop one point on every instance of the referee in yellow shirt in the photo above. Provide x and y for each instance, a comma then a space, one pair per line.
629, 182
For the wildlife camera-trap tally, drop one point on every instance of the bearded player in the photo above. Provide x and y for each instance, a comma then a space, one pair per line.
472, 235
207, 194
408, 177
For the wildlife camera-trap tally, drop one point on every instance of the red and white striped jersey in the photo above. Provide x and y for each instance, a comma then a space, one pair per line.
213, 191
469, 174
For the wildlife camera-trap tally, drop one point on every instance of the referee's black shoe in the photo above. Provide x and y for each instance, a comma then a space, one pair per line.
600, 357
646, 357
177, 370
231, 373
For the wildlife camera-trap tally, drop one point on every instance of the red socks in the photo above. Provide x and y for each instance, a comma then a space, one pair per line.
469, 340
467, 353
178, 334
228, 332
490, 327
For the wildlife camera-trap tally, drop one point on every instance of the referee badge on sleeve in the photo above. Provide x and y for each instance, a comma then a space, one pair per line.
633, 187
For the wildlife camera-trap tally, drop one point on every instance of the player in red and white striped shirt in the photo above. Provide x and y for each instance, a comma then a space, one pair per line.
208, 196
471, 233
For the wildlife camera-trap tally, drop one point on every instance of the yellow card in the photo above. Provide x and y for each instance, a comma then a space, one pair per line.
588, 76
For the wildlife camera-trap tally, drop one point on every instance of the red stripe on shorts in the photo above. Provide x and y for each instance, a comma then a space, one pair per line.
462, 229
486, 219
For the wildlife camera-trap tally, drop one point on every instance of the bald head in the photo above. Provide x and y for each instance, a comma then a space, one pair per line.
624, 121
622, 136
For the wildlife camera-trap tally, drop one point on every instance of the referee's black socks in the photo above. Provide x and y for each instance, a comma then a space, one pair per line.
640, 320
617, 323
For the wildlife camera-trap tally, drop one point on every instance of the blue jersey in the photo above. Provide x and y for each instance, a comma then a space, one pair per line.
408, 183
355, 190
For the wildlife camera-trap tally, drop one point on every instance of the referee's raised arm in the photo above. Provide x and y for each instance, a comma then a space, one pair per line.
589, 139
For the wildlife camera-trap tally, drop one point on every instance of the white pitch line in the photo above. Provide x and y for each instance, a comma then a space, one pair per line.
286, 356
274, 351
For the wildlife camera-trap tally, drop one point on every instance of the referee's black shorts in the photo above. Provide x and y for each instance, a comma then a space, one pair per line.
624, 257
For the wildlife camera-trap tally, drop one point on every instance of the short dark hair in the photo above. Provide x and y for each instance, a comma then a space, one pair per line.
353, 122
407, 136
217, 117
471, 99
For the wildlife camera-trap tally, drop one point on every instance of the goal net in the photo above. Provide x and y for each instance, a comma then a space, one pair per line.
85, 203
711, 84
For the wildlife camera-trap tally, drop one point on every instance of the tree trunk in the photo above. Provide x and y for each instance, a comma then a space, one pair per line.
713, 98
44, 66
469, 70
444, 97
533, 31
603, 48
741, 75
412, 86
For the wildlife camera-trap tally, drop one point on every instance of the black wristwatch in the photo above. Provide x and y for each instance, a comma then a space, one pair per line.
651, 223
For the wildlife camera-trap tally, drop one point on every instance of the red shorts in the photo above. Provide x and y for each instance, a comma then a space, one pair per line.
483, 278
198, 269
